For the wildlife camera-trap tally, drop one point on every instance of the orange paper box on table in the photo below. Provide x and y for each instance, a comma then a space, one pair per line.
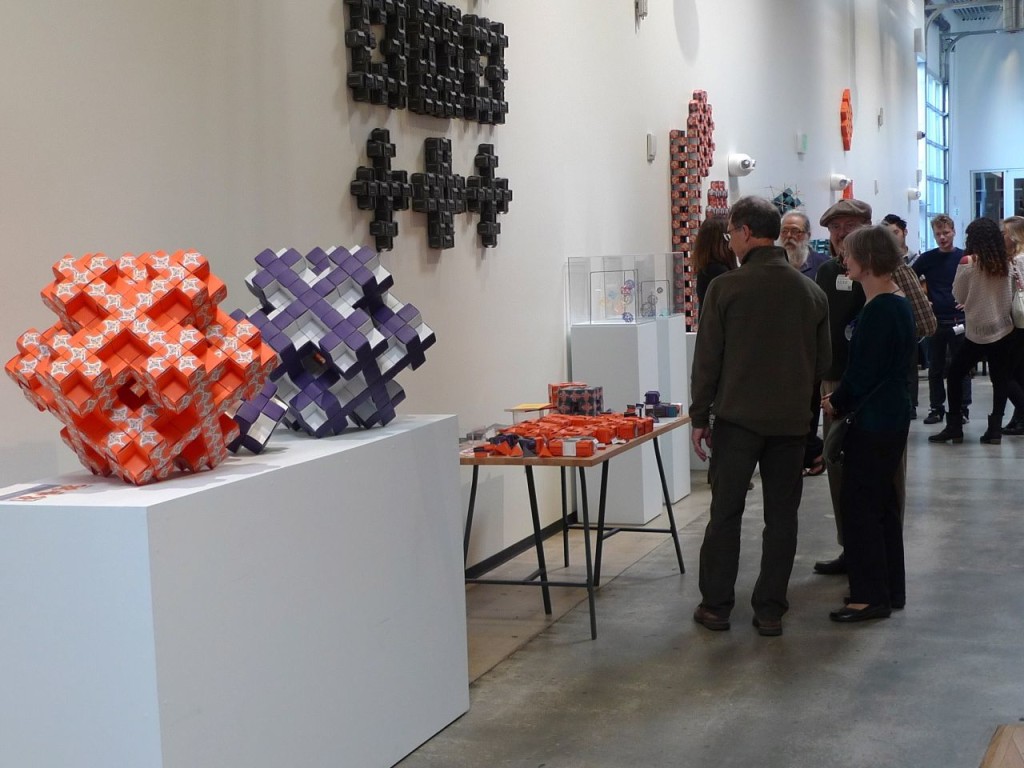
561, 435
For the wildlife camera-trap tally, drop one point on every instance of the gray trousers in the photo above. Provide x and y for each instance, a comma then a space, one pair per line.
735, 453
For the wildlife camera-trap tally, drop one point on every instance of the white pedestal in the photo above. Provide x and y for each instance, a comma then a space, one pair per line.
674, 385
305, 607
624, 360
691, 342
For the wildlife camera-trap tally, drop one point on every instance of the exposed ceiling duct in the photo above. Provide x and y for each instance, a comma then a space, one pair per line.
1008, 14
977, 13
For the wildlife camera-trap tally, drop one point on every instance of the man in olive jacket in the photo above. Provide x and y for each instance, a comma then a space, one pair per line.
763, 342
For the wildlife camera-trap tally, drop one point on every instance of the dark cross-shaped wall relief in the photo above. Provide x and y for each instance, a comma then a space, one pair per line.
381, 190
438, 192
488, 196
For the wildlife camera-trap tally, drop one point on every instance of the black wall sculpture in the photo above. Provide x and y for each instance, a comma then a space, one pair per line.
438, 192
381, 190
488, 196
432, 60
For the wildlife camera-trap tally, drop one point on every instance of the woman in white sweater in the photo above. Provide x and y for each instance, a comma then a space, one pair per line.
983, 286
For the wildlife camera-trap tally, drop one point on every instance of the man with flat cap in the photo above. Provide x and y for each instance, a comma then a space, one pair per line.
845, 300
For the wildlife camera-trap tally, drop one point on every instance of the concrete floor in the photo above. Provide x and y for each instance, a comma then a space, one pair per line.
926, 687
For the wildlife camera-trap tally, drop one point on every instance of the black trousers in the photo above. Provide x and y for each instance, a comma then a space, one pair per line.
735, 452
943, 342
1003, 359
872, 532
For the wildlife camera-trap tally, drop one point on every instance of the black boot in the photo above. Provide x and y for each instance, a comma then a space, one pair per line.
994, 434
952, 432
1016, 425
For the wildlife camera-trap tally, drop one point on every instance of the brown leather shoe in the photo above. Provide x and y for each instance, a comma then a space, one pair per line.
768, 627
710, 620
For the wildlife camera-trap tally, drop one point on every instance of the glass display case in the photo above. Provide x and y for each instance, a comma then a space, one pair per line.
619, 289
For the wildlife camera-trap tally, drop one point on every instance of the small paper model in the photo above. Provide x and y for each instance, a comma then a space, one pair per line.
581, 401
341, 336
141, 365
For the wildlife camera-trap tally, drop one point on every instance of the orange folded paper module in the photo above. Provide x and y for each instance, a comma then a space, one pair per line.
141, 365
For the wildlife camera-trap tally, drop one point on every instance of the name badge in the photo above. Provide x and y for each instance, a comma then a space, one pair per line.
844, 283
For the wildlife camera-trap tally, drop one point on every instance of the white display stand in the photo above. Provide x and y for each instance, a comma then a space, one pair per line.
691, 343
300, 608
623, 359
674, 385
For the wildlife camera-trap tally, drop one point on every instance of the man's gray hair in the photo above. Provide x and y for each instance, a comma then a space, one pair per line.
802, 215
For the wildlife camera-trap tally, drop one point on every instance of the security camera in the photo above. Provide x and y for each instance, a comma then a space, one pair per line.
741, 165
837, 182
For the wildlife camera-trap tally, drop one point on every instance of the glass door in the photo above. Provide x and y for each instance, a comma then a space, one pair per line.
998, 194
1015, 193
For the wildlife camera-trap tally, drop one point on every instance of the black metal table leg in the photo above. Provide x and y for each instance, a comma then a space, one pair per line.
668, 506
538, 540
586, 548
469, 516
600, 522
565, 519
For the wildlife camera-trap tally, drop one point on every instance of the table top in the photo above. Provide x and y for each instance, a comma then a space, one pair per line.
602, 455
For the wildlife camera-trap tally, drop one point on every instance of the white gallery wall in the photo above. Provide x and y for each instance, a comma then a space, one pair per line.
226, 126
986, 92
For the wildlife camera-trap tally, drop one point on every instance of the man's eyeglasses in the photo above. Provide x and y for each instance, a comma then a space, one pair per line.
728, 232
793, 231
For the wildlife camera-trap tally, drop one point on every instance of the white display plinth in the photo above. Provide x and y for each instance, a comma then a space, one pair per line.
304, 607
674, 385
623, 359
691, 343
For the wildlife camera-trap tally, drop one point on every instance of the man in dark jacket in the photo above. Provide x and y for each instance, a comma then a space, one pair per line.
845, 299
763, 341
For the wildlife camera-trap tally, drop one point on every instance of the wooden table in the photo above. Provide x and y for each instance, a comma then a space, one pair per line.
601, 457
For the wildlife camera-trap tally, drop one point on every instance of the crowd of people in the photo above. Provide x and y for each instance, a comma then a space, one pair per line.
847, 332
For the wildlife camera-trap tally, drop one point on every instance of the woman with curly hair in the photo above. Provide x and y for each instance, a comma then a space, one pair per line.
711, 255
983, 285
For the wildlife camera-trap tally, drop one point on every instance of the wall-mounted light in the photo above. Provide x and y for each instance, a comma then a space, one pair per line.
837, 182
741, 165
913, 193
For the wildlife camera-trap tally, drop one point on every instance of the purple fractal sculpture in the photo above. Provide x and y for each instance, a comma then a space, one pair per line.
341, 336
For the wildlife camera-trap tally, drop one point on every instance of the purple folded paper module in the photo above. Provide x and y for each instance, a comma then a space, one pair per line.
341, 335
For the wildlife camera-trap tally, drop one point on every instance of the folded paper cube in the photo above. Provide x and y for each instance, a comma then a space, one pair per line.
341, 335
141, 365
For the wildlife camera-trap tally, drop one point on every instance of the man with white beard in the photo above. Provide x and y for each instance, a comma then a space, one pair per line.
795, 238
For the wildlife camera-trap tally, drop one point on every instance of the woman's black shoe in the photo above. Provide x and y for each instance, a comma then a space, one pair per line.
948, 435
1014, 427
847, 615
994, 434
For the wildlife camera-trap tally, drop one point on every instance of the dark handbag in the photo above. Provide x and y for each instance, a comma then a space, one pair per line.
836, 436
834, 439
